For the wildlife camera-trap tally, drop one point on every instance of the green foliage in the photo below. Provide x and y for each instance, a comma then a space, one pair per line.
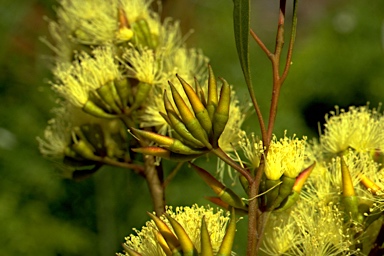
42, 215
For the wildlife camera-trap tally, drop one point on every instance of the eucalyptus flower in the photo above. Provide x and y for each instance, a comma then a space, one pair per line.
149, 240
285, 156
77, 81
97, 22
323, 231
57, 135
358, 128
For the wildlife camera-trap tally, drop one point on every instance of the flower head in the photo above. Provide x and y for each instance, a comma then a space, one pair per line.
96, 22
144, 65
358, 128
285, 156
57, 135
146, 242
252, 148
88, 73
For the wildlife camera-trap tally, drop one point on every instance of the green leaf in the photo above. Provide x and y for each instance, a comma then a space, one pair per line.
241, 21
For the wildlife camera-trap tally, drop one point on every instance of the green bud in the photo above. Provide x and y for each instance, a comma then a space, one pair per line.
165, 153
288, 201
206, 246
221, 115
200, 93
167, 234
212, 93
93, 109
186, 244
109, 94
351, 209
142, 34
348, 189
285, 189
124, 90
94, 135
179, 127
84, 150
200, 111
171, 144
141, 95
272, 192
225, 194
190, 121
229, 237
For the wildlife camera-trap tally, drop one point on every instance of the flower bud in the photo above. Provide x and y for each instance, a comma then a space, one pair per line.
142, 34
184, 240
171, 144
226, 245
221, 115
190, 121
200, 111
212, 93
225, 194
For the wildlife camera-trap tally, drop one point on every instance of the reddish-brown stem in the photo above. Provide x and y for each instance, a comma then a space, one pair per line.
252, 219
254, 213
153, 175
223, 156
256, 219
276, 72
156, 190
172, 174
261, 44
291, 43
109, 161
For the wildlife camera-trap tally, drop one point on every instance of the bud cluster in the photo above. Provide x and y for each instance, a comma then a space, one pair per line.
197, 123
113, 62
186, 231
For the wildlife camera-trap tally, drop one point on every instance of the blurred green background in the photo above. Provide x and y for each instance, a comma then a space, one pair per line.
338, 60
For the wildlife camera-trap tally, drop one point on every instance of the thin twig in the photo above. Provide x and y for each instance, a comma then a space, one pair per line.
261, 44
172, 174
109, 161
291, 43
223, 156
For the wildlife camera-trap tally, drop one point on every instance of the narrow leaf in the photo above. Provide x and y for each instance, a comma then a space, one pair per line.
241, 23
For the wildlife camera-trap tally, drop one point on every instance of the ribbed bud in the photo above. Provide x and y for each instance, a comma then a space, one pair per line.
206, 246
142, 34
169, 143
226, 245
224, 193
184, 240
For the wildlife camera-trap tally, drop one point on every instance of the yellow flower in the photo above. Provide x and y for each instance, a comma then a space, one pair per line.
96, 21
57, 135
146, 243
285, 156
144, 65
252, 148
281, 235
358, 128
88, 73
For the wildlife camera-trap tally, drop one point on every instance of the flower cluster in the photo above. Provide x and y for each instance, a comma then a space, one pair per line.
199, 229
113, 62
342, 197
